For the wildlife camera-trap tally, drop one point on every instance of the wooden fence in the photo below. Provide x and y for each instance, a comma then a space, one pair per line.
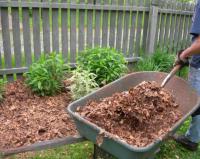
30, 28
171, 24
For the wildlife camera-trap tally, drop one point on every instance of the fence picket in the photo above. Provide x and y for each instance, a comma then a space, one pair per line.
36, 32
145, 26
188, 23
158, 30
26, 36
189, 37
184, 26
164, 17
89, 26
167, 28
6, 40
139, 26
55, 29
180, 30
16, 37
105, 26
113, 16
172, 29
64, 31
73, 34
177, 25
162, 27
119, 27
46, 30
6, 37
97, 35
81, 34
132, 31
132, 35
191, 7
126, 29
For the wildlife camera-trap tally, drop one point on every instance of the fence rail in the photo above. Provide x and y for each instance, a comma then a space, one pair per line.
30, 28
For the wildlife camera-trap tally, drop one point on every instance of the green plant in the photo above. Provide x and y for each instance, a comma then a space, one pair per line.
159, 61
146, 64
83, 83
46, 75
163, 60
2, 88
184, 72
106, 63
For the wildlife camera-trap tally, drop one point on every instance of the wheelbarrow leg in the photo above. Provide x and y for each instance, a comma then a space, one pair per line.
154, 155
95, 152
101, 154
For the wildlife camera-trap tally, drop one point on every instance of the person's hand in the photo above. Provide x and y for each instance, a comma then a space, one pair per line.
181, 59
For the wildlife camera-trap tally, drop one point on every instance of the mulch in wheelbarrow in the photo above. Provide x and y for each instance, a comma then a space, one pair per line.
26, 118
138, 116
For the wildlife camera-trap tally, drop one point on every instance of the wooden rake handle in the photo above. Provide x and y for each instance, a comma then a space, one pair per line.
170, 75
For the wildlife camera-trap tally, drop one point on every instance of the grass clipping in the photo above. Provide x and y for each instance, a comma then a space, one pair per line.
139, 116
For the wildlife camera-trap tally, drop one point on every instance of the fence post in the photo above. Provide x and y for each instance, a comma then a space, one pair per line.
153, 19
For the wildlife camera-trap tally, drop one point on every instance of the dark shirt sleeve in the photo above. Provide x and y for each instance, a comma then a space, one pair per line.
195, 29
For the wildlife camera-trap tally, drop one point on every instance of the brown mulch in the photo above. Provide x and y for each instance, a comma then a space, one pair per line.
139, 116
26, 118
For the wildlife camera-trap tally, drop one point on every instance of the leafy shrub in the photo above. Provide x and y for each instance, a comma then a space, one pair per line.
159, 61
45, 76
83, 83
106, 63
2, 88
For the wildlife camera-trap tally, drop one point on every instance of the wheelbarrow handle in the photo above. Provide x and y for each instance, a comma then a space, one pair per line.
170, 75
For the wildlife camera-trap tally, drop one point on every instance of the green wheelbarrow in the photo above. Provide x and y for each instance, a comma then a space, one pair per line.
185, 96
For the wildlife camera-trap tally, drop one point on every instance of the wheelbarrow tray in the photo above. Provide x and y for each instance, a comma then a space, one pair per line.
185, 96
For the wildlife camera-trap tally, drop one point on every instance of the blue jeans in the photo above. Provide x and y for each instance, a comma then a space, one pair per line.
193, 133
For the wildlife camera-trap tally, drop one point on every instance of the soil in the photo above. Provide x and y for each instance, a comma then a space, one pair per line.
139, 116
26, 118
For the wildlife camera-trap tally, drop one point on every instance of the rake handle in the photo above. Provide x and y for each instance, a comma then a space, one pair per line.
170, 75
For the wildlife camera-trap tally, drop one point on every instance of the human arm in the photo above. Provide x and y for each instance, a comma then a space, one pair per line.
194, 49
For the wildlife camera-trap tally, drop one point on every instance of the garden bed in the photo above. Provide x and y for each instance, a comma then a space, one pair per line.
138, 116
26, 118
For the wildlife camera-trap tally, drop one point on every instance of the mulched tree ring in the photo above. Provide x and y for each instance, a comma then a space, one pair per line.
139, 116
26, 118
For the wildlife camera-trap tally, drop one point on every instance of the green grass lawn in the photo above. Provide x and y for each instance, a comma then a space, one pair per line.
169, 150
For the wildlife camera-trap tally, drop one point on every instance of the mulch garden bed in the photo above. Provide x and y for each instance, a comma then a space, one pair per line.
26, 118
139, 116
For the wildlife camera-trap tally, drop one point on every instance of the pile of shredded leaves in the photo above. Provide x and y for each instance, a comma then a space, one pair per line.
139, 116
26, 118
